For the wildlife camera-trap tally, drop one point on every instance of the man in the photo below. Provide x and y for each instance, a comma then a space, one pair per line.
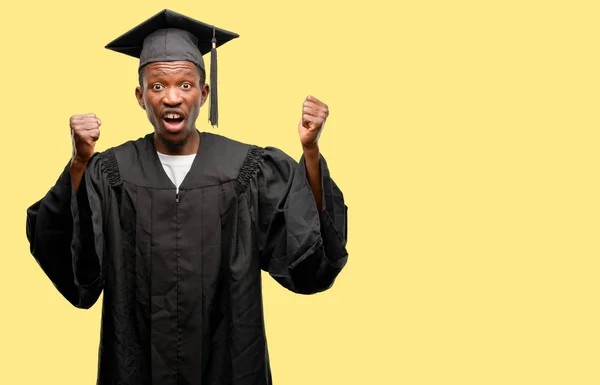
175, 227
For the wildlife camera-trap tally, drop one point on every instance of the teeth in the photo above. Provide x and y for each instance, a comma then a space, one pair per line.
173, 116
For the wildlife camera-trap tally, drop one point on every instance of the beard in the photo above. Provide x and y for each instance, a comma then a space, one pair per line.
175, 146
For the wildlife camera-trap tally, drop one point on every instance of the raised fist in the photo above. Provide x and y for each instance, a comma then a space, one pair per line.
85, 131
314, 115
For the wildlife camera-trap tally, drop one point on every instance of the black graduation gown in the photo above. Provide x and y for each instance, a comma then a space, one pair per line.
181, 273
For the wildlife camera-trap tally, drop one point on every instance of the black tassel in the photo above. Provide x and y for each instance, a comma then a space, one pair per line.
214, 105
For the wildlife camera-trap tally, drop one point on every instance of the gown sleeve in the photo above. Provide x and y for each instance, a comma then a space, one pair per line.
65, 234
299, 248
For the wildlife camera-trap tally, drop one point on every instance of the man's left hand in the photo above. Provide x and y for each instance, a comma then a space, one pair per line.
314, 115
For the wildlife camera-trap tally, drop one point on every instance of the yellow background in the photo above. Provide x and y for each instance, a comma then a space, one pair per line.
464, 135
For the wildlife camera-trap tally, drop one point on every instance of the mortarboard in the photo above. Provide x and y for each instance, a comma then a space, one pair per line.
171, 36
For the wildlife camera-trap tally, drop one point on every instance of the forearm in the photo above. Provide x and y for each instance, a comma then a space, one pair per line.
313, 173
76, 170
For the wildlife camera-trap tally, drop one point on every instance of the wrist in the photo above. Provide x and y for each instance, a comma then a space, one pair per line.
311, 150
77, 163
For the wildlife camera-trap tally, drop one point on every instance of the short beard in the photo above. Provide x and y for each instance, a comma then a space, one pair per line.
175, 146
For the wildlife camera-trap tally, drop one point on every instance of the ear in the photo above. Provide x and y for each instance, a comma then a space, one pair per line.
205, 92
140, 97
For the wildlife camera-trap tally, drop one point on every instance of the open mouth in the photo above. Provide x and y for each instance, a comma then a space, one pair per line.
173, 122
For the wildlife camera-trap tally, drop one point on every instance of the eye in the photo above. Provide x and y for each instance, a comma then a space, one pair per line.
157, 86
186, 86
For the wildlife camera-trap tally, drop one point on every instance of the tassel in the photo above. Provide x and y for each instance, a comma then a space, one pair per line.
214, 107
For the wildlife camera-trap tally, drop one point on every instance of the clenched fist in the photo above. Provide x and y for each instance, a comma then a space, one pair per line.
85, 131
314, 115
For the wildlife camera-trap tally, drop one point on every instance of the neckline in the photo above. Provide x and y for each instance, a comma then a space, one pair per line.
167, 156
176, 160
161, 171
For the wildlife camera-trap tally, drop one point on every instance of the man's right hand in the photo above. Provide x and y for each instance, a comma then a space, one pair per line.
85, 131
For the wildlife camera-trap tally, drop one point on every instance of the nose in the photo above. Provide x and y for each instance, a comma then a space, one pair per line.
172, 97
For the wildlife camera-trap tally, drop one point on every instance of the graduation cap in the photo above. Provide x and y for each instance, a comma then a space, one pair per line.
171, 36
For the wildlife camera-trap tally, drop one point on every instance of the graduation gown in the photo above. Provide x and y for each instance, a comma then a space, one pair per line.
180, 272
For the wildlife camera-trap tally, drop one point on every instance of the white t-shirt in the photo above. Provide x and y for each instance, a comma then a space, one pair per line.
176, 166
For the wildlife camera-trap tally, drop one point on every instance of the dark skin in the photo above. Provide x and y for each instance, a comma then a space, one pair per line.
173, 87
314, 115
177, 87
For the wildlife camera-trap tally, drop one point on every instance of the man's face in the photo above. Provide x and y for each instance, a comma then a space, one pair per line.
171, 94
